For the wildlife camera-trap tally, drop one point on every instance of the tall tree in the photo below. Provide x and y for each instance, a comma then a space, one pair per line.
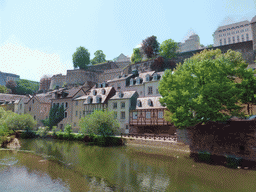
3, 89
25, 86
81, 58
136, 55
11, 84
99, 57
168, 49
56, 115
205, 88
150, 46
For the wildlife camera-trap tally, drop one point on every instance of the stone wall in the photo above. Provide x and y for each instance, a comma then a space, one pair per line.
246, 48
57, 80
79, 76
235, 138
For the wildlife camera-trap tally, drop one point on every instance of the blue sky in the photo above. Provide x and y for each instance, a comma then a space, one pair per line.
38, 37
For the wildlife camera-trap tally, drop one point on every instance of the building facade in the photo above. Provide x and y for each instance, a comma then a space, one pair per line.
192, 43
233, 33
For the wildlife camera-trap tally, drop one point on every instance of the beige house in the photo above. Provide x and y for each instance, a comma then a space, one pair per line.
95, 99
13, 102
121, 103
65, 97
19, 105
39, 107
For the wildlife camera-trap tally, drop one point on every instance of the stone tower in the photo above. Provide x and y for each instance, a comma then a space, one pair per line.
253, 25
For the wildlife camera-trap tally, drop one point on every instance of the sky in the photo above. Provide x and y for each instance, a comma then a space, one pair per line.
39, 37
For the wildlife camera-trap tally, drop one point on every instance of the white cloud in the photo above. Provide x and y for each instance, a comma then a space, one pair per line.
29, 64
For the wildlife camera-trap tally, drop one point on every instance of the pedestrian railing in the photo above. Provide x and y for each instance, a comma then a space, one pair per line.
151, 136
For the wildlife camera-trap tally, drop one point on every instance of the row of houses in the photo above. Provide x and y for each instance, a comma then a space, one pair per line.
134, 98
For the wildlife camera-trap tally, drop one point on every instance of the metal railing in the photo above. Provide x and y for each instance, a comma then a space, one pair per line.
151, 136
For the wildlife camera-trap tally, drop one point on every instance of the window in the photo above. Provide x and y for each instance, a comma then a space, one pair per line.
122, 105
83, 113
122, 115
148, 115
94, 92
225, 42
34, 117
160, 114
131, 81
66, 104
234, 40
138, 81
229, 40
242, 36
29, 109
150, 90
155, 77
76, 103
76, 113
135, 115
220, 41
103, 91
61, 126
238, 38
98, 99
139, 104
115, 105
118, 86
147, 77
20, 106
74, 124
247, 37
157, 92
80, 114
33, 101
127, 127
120, 94
53, 104
89, 100
65, 114
150, 102
62, 104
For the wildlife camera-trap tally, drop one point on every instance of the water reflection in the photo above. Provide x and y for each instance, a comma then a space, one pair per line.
73, 166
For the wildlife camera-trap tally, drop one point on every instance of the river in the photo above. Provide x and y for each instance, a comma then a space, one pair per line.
53, 165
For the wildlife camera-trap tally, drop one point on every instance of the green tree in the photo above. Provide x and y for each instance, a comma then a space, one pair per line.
136, 55
204, 88
99, 57
20, 122
150, 46
3, 89
56, 115
100, 123
11, 84
168, 49
81, 58
25, 86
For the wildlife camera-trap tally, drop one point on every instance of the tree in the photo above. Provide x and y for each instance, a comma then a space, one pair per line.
100, 123
81, 58
3, 89
150, 46
99, 57
25, 87
136, 55
168, 49
204, 88
56, 115
20, 122
11, 85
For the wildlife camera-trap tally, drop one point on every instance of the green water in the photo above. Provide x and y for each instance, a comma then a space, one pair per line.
52, 165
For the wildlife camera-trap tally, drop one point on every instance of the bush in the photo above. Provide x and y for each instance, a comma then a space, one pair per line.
100, 123
42, 131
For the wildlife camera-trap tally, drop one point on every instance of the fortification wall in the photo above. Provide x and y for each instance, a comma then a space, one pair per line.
57, 80
246, 48
79, 76
109, 74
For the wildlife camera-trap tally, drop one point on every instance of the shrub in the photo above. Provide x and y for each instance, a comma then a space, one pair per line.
42, 131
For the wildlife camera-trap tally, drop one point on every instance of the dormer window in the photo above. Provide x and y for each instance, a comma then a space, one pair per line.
147, 77
89, 100
104, 84
120, 94
99, 85
150, 102
131, 81
103, 91
139, 104
98, 99
138, 80
155, 77
94, 92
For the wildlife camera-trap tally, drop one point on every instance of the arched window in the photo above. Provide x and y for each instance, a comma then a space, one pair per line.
139, 104
155, 76
94, 92
147, 77
138, 80
103, 91
120, 94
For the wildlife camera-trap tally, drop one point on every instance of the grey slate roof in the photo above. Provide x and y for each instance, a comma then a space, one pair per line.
144, 102
126, 95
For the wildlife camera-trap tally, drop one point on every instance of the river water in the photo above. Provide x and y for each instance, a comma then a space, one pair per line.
52, 165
